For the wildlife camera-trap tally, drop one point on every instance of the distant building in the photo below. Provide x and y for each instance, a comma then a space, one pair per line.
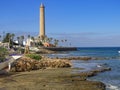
48, 45
29, 42
5, 45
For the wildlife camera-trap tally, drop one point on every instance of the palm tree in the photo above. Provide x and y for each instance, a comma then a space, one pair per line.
22, 38
42, 38
28, 36
33, 40
62, 40
9, 37
6, 38
70, 44
39, 41
51, 39
0, 37
56, 42
28, 40
66, 41
18, 38
12, 37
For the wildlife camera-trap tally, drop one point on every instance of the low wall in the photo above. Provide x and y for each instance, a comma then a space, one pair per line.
61, 48
3, 64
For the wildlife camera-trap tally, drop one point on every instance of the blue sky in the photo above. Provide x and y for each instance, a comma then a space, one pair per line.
86, 22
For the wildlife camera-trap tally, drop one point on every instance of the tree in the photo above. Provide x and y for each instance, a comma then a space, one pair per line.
51, 39
33, 39
12, 38
28, 39
18, 38
28, 36
56, 42
42, 38
62, 40
45, 38
66, 41
7, 38
0, 37
22, 39
39, 42
3, 53
48, 40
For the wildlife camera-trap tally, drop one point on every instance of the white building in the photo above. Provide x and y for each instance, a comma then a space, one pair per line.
29, 42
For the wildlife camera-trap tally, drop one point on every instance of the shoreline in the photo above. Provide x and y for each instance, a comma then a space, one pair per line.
52, 78
58, 79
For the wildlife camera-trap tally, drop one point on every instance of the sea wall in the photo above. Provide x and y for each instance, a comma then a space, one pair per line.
61, 48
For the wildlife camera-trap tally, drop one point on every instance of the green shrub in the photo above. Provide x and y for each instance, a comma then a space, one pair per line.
3, 53
34, 56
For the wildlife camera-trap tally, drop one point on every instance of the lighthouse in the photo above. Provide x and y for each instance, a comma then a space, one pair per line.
42, 21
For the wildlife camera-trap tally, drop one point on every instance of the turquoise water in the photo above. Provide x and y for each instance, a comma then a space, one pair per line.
112, 59
110, 78
111, 52
105, 52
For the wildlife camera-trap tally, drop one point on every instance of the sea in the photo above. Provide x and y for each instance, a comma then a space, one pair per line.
107, 57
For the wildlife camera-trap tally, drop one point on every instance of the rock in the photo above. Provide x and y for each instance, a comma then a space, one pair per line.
55, 63
101, 70
28, 64
87, 74
78, 58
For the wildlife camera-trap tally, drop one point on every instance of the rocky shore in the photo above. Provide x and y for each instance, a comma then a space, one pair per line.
49, 79
28, 64
82, 58
77, 58
48, 74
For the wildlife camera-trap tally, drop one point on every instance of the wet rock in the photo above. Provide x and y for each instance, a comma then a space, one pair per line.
87, 74
79, 79
94, 72
78, 58
101, 70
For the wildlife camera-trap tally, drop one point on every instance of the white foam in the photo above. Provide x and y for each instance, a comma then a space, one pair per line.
99, 65
112, 87
118, 51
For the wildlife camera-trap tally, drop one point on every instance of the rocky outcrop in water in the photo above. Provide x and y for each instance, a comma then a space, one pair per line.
78, 58
84, 58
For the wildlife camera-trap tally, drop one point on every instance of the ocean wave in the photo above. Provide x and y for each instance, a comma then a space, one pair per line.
112, 87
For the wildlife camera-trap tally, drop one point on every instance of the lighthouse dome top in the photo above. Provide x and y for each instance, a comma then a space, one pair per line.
42, 5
